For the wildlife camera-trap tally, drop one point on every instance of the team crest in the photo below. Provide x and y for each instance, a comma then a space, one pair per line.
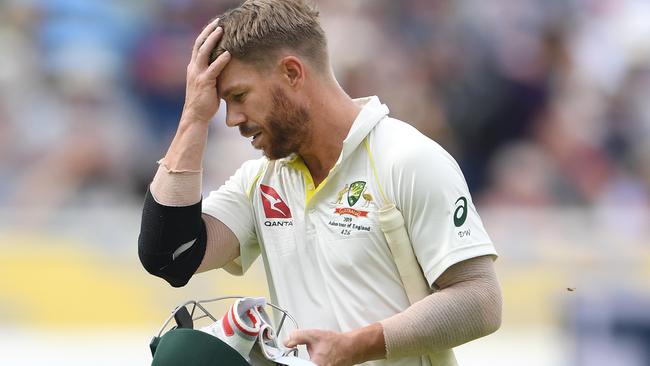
355, 191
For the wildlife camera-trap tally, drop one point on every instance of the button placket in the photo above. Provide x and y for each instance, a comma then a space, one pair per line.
309, 224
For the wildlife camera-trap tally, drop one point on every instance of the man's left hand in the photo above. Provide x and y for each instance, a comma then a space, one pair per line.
325, 348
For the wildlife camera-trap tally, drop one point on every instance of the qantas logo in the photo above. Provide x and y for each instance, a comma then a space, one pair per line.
274, 206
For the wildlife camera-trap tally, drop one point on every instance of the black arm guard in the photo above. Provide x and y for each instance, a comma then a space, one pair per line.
172, 240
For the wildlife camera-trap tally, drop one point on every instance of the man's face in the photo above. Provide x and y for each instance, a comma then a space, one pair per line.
258, 104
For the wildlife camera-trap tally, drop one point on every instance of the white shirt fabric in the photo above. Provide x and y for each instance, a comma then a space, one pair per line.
326, 259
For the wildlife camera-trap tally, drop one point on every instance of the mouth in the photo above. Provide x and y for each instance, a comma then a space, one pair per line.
250, 135
255, 138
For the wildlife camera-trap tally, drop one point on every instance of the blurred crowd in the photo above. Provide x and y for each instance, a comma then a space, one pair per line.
542, 102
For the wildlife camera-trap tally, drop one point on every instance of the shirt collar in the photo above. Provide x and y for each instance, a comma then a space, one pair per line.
372, 111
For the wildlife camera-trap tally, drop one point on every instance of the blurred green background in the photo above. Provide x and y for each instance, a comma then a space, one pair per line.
543, 103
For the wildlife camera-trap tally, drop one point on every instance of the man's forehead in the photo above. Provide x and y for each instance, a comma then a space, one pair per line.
237, 74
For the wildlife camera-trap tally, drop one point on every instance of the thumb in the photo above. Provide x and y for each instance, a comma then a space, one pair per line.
297, 337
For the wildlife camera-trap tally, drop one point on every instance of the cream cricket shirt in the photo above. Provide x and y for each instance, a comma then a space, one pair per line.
325, 256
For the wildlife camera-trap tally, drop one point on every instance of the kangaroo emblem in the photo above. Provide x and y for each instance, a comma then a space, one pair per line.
339, 196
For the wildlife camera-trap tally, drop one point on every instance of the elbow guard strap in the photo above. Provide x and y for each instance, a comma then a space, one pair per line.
172, 240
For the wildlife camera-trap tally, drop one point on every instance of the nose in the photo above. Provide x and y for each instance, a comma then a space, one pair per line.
234, 117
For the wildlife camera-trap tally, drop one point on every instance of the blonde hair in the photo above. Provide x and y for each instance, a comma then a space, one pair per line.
256, 30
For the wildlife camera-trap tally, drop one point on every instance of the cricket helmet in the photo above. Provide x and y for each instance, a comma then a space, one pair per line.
184, 345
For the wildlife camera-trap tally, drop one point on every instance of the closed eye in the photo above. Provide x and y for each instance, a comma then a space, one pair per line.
239, 97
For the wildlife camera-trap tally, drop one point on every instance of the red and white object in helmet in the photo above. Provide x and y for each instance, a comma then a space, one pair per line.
240, 326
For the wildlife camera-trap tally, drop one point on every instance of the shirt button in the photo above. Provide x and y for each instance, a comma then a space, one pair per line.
310, 186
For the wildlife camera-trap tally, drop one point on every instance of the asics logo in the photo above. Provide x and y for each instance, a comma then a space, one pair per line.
274, 206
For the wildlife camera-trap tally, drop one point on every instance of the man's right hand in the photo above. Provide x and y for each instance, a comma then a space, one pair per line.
201, 95
201, 103
171, 189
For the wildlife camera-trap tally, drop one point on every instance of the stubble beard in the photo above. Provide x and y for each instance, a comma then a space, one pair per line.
289, 127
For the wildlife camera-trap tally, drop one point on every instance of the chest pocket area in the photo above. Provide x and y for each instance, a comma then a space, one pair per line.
279, 237
277, 224
355, 257
346, 223
351, 232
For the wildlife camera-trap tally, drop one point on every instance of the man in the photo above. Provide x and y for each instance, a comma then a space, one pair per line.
326, 259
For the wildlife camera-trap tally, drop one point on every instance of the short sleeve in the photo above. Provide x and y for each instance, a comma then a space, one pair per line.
441, 219
231, 205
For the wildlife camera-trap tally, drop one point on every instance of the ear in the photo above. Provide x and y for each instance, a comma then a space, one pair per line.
293, 71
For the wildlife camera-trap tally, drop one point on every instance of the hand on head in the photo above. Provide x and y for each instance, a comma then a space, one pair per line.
201, 94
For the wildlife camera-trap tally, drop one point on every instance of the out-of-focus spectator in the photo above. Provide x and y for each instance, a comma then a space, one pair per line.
544, 103
521, 175
71, 133
94, 91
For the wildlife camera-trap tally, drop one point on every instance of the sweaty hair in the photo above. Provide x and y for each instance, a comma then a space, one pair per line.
257, 30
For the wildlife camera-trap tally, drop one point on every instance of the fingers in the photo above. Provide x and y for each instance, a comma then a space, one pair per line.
203, 36
299, 336
218, 65
207, 46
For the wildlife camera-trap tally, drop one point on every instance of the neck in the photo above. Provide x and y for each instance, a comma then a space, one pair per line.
332, 114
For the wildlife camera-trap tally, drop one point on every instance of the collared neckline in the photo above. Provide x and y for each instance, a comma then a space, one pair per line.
372, 111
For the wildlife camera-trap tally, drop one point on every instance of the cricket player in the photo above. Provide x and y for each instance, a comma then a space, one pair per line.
310, 206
